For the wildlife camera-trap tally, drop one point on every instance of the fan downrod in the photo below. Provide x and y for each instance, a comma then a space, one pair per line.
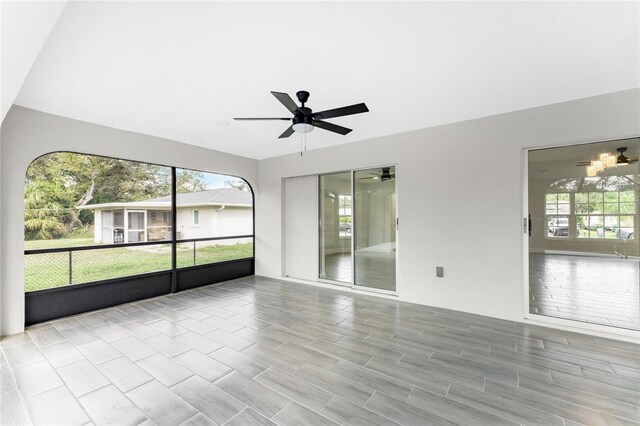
303, 96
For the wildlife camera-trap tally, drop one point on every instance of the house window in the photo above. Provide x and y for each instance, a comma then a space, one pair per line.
600, 208
344, 215
557, 210
196, 217
605, 214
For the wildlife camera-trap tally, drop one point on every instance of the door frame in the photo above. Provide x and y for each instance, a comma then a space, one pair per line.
543, 320
126, 224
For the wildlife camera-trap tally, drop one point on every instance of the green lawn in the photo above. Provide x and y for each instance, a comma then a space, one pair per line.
50, 270
62, 242
592, 233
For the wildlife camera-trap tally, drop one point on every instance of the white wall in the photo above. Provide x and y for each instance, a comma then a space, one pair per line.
234, 221
28, 134
206, 226
454, 181
440, 201
301, 231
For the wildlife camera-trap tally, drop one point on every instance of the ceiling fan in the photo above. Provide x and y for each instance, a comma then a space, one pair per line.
304, 119
621, 160
385, 176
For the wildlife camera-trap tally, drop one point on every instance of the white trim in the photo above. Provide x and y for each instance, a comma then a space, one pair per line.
587, 254
344, 284
155, 206
524, 235
126, 225
606, 331
357, 290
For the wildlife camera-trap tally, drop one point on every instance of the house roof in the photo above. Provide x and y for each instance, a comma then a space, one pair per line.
210, 197
218, 196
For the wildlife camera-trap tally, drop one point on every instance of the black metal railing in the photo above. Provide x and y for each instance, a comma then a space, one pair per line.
57, 267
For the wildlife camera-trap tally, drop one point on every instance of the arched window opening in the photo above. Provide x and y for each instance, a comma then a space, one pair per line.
95, 220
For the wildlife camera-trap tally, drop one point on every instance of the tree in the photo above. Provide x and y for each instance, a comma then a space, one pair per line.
190, 181
42, 218
56, 184
237, 184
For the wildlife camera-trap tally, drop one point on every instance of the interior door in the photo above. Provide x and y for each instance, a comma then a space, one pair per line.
375, 227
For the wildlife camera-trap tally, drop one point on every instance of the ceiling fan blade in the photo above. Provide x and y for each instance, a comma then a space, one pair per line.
370, 177
265, 118
331, 127
286, 100
339, 112
287, 132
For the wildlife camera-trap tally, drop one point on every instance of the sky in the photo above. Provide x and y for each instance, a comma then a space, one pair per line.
214, 180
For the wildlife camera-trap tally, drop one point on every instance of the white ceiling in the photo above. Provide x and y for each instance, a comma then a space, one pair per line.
24, 28
174, 69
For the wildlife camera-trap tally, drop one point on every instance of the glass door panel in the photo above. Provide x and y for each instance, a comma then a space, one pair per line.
136, 227
583, 240
335, 227
118, 226
374, 232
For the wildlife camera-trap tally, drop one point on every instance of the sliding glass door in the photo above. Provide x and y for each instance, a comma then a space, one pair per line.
358, 228
335, 227
583, 244
375, 228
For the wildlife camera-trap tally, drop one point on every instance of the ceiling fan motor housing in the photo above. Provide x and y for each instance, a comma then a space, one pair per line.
303, 115
303, 96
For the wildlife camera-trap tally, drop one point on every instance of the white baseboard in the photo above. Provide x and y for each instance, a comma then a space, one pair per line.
588, 254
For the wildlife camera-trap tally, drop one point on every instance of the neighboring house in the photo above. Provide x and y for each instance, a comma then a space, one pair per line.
213, 213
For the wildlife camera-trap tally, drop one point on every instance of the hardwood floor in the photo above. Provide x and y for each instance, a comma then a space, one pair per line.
599, 290
262, 351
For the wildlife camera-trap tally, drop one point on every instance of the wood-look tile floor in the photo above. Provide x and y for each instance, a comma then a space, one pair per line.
257, 351
599, 290
373, 271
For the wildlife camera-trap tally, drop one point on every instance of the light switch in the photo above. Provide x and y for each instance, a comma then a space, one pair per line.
439, 271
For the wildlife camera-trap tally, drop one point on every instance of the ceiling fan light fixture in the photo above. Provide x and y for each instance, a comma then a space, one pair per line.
591, 171
597, 165
611, 161
303, 127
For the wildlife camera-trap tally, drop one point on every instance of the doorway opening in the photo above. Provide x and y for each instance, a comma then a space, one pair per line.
583, 247
358, 228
